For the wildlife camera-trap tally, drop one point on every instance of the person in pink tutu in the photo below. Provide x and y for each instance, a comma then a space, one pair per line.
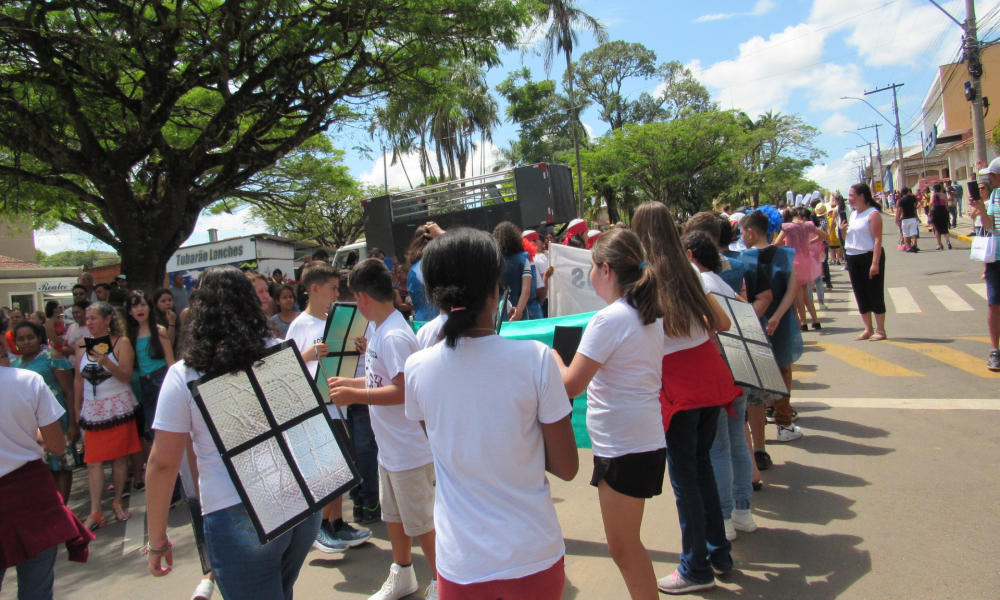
799, 233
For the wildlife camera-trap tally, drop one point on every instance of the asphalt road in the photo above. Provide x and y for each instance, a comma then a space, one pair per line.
890, 494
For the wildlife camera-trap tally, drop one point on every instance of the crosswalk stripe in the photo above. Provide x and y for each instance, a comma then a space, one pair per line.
979, 288
950, 299
903, 301
865, 361
970, 364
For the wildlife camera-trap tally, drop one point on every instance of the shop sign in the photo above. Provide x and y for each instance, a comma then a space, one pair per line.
65, 285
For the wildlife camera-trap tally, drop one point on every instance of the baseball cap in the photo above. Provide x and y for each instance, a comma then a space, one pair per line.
994, 168
530, 234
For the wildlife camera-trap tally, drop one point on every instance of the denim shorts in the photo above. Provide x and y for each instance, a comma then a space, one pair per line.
993, 283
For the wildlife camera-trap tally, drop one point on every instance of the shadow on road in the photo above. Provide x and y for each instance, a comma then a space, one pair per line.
820, 444
846, 428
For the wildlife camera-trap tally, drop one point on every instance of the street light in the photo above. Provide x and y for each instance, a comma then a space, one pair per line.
891, 124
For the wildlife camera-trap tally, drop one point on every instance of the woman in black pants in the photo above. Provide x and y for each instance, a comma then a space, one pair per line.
862, 237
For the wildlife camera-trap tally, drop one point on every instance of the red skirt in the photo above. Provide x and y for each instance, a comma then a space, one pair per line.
696, 378
33, 517
109, 444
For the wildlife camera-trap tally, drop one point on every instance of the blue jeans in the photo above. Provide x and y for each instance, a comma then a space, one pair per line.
731, 460
703, 534
245, 569
359, 426
533, 310
36, 577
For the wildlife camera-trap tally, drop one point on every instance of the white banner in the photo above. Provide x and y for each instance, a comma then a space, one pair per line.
570, 291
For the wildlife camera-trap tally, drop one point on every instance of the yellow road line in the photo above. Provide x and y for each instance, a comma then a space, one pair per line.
865, 361
974, 365
984, 340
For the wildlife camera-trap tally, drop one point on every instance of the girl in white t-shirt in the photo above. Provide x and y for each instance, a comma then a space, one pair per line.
227, 331
618, 364
474, 385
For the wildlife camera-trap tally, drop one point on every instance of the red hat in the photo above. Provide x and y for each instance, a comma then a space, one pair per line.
530, 235
576, 226
592, 236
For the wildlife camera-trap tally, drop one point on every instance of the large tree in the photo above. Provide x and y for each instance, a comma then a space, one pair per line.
779, 148
684, 163
126, 119
542, 114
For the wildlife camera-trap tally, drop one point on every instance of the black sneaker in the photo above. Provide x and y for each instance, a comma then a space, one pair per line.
359, 513
993, 364
372, 515
763, 460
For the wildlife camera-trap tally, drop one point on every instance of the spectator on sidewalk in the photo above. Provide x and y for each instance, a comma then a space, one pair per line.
993, 268
179, 293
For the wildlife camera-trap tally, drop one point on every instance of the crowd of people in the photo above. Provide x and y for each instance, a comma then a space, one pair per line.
111, 386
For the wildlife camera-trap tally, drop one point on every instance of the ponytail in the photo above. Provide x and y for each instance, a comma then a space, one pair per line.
462, 269
621, 250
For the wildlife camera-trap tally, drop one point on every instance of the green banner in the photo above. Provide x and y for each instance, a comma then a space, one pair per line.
542, 330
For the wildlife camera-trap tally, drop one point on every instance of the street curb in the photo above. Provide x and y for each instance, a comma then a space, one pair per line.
965, 238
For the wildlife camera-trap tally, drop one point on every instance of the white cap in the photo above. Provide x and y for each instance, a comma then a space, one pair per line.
994, 168
594, 233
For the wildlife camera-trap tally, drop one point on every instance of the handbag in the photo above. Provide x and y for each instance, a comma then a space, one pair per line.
984, 248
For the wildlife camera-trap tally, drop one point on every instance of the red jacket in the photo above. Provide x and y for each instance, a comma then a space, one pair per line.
696, 378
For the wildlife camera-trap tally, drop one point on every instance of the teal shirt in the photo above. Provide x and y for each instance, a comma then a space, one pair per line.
147, 364
45, 364
993, 210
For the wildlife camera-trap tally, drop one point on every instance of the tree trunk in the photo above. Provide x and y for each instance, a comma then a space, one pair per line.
574, 122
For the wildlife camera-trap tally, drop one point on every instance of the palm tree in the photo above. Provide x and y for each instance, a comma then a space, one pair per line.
563, 18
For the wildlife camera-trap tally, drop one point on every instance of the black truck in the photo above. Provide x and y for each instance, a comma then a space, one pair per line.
531, 197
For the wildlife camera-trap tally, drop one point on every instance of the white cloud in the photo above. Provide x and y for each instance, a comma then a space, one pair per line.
590, 131
762, 7
65, 237
838, 125
838, 174
397, 177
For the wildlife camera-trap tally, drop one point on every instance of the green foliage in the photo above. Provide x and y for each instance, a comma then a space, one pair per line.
542, 113
129, 118
685, 163
72, 258
307, 195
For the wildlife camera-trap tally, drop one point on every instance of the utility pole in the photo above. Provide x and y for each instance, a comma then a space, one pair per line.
899, 133
878, 147
975, 74
871, 162
974, 91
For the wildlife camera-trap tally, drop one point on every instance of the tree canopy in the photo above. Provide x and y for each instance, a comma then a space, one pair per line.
126, 119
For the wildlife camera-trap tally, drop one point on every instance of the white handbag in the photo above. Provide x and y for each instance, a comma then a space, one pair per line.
984, 248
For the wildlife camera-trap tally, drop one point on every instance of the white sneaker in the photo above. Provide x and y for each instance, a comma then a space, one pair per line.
402, 582
730, 530
743, 521
788, 434
432, 591
204, 590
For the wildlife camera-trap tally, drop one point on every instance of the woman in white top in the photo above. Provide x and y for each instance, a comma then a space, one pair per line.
865, 260
227, 331
475, 385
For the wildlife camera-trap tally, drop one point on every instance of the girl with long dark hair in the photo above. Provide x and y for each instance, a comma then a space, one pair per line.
695, 383
162, 304
226, 331
476, 384
519, 273
153, 353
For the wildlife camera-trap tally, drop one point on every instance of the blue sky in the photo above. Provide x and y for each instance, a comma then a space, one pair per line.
789, 56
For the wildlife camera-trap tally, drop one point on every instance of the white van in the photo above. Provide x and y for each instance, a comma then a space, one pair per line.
350, 255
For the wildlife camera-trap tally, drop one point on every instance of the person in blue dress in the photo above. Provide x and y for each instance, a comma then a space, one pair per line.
518, 275
58, 375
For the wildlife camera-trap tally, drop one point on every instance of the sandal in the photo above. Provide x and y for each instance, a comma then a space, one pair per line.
95, 521
864, 336
878, 336
121, 513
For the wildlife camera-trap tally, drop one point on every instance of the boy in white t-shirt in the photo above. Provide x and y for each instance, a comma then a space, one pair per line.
321, 281
406, 466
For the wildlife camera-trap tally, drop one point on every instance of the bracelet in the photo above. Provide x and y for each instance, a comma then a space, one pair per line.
163, 550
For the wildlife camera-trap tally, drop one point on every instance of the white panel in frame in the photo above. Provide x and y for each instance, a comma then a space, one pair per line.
282, 451
747, 349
